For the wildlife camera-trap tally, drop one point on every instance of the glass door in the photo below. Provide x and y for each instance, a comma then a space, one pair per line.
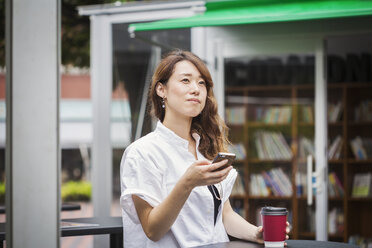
274, 96
350, 121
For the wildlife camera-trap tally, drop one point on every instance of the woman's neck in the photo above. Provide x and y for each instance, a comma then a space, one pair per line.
179, 126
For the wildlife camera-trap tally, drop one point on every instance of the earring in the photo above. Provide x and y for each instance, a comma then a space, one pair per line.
163, 102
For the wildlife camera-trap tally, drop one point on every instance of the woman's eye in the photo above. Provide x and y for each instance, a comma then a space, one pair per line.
202, 82
186, 80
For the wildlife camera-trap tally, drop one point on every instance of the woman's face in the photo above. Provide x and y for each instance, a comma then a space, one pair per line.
186, 91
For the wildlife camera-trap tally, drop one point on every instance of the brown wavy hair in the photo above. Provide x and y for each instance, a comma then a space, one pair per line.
208, 124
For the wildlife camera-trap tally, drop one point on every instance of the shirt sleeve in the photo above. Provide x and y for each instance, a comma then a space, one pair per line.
228, 184
141, 178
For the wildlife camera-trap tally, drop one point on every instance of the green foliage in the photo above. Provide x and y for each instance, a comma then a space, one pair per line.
76, 191
75, 32
70, 191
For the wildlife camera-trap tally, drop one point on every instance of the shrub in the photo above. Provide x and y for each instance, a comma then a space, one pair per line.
70, 191
76, 191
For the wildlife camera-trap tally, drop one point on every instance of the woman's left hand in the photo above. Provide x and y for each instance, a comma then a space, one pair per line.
259, 232
258, 235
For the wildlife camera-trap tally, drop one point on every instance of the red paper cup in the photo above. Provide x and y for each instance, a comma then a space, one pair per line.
274, 224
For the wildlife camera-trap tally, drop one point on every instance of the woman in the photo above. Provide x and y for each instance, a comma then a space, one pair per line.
164, 175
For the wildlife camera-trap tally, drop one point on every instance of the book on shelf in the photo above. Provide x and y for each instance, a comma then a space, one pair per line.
301, 183
363, 112
258, 185
235, 115
265, 191
306, 147
334, 150
283, 181
270, 185
360, 241
238, 188
253, 188
273, 182
271, 145
308, 114
238, 149
271, 114
335, 221
335, 188
362, 185
361, 147
278, 115
334, 111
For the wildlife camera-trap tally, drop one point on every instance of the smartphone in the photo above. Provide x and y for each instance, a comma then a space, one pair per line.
224, 155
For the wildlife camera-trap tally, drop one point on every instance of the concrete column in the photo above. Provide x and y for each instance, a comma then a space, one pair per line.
101, 68
32, 124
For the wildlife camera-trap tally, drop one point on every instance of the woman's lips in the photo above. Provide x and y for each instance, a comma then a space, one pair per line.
194, 100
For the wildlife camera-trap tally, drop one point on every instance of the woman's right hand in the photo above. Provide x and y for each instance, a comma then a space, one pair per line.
156, 221
202, 172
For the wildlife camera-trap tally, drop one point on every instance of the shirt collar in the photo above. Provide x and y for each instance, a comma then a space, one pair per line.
173, 138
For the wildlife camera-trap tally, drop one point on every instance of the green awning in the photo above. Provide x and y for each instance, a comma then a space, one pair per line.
236, 12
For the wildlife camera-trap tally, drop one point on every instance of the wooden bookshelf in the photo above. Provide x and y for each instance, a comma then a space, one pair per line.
258, 124
362, 161
311, 235
334, 124
264, 161
252, 197
353, 209
238, 196
359, 124
360, 199
334, 198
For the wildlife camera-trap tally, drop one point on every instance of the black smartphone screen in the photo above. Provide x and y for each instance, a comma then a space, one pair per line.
224, 155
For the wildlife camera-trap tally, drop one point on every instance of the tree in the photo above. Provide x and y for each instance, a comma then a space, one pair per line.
75, 33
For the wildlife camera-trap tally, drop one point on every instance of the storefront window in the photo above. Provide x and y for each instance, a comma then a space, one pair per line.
131, 69
270, 109
131, 58
265, 102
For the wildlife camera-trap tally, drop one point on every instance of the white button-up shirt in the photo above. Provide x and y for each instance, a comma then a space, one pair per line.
150, 168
